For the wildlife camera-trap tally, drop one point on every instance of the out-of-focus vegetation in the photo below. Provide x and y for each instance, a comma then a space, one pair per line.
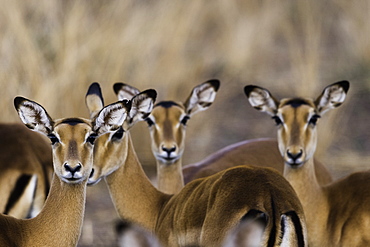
51, 51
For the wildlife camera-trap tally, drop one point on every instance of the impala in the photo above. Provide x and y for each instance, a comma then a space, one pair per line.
26, 169
60, 220
337, 214
206, 211
167, 126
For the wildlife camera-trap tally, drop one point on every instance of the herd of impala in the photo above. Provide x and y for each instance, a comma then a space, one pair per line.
259, 192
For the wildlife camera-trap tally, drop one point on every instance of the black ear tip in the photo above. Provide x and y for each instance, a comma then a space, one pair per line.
128, 104
151, 93
117, 86
344, 85
215, 84
94, 89
248, 89
18, 101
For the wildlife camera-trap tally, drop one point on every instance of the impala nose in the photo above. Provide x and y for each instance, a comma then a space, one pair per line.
169, 150
294, 156
72, 169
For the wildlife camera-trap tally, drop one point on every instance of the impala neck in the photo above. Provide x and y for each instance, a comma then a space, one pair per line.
133, 195
311, 195
60, 221
170, 177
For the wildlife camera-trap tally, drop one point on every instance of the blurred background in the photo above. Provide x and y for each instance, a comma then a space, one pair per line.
51, 51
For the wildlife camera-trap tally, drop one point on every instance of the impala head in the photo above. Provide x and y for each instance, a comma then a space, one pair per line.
72, 139
111, 149
296, 118
167, 122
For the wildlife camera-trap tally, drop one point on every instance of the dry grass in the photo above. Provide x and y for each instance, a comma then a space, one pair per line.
52, 50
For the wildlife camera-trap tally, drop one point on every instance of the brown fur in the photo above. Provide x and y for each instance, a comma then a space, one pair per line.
167, 126
257, 152
60, 221
337, 214
205, 210
24, 152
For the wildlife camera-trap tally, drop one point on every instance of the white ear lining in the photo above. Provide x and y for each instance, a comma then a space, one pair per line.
127, 92
332, 97
110, 118
262, 101
200, 99
33, 115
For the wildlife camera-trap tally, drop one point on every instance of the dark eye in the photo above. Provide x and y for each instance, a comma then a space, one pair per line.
119, 134
184, 121
149, 122
277, 120
314, 119
91, 139
53, 139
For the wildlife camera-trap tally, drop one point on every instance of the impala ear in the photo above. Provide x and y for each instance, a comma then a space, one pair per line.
125, 91
94, 99
332, 96
111, 117
33, 115
261, 99
201, 97
141, 106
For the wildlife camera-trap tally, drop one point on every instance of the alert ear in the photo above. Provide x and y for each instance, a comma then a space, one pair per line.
141, 106
261, 99
332, 96
201, 97
125, 91
33, 115
111, 117
94, 99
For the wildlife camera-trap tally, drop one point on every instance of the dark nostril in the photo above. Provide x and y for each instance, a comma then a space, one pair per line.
295, 156
72, 169
169, 150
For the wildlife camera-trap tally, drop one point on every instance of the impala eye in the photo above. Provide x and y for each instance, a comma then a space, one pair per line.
53, 139
149, 122
184, 121
91, 139
277, 120
118, 134
314, 119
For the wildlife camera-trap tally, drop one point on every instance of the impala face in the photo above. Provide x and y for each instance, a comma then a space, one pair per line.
167, 126
111, 149
296, 118
167, 122
72, 144
296, 121
110, 152
72, 138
